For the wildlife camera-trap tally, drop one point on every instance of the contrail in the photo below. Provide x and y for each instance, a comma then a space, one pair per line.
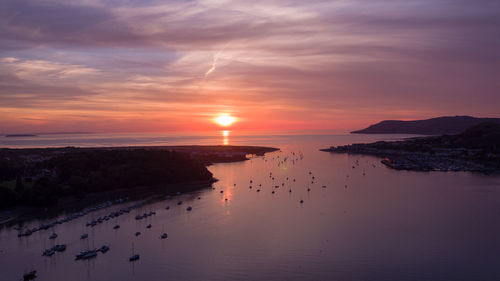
214, 62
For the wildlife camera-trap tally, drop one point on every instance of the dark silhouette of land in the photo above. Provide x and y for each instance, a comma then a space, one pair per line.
20, 135
450, 125
477, 149
44, 176
44, 133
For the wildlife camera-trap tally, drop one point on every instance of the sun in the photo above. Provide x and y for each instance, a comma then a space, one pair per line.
225, 120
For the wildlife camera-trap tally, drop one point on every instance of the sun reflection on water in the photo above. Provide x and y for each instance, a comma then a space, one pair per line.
225, 137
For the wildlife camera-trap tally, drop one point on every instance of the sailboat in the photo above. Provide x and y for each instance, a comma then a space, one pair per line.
134, 257
164, 235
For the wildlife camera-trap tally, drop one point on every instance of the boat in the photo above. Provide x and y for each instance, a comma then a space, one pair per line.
30, 275
134, 258
81, 254
104, 249
89, 255
48, 252
85, 254
59, 248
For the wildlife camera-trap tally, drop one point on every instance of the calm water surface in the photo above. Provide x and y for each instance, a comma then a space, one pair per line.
367, 223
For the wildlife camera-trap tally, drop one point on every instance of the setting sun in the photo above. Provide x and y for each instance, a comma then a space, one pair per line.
225, 120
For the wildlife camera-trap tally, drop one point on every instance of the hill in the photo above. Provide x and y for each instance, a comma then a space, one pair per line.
449, 125
484, 136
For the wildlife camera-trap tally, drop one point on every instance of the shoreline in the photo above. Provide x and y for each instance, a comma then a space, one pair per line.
475, 150
23, 214
435, 159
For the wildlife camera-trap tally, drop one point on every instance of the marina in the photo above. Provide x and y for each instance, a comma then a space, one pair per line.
329, 200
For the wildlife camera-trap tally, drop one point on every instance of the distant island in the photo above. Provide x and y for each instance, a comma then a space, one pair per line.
20, 136
47, 177
477, 149
64, 133
48, 133
449, 125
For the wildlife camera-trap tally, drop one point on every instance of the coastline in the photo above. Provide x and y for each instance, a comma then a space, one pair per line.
477, 149
23, 214
401, 156
419, 161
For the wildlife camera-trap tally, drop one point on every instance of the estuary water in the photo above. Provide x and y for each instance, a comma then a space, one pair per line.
331, 217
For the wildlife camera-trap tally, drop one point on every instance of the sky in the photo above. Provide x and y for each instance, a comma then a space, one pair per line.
161, 66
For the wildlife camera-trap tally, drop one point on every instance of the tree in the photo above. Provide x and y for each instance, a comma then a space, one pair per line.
19, 184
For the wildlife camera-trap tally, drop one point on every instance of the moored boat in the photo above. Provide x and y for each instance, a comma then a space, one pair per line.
30, 275
104, 249
134, 258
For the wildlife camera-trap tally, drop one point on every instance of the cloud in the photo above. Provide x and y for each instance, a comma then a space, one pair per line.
286, 58
35, 69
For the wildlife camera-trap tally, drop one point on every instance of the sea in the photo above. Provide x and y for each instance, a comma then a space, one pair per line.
294, 214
